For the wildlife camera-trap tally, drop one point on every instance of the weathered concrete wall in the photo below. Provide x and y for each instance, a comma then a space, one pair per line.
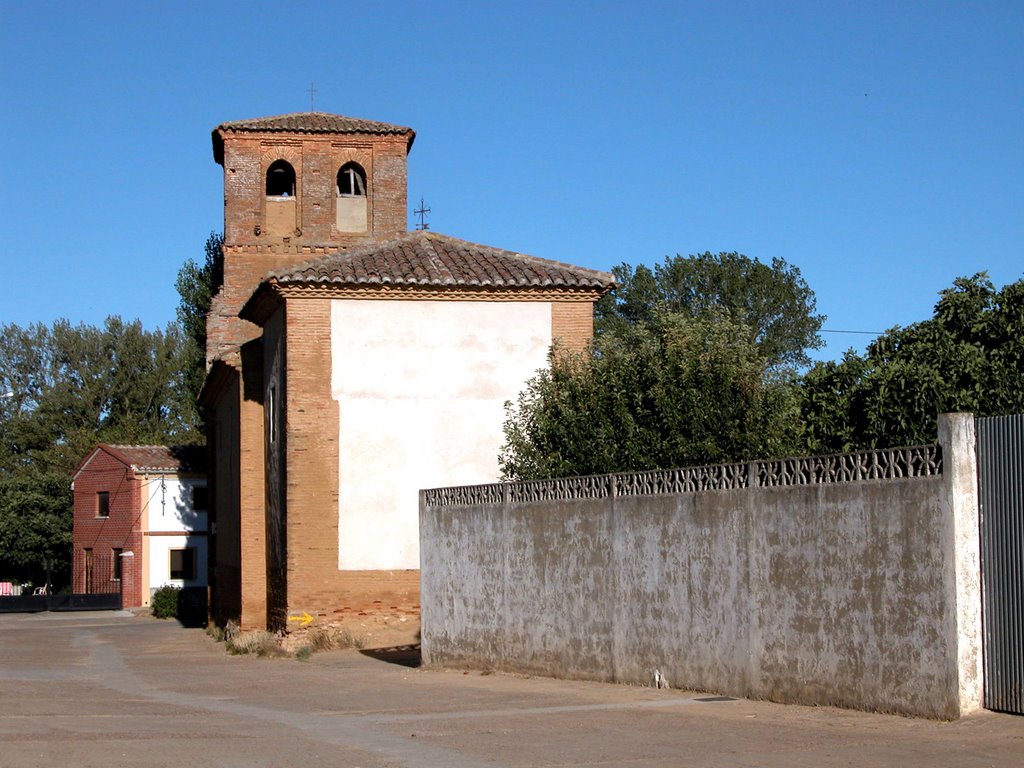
858, 594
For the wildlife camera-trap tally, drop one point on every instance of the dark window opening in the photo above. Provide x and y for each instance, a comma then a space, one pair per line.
183, 564
280, 179
115, 556
351, 181
103, 504
200, 499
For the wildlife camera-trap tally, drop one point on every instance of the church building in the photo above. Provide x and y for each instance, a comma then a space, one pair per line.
351, 363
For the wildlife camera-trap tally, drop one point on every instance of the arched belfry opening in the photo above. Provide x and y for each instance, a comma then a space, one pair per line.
351, 181
280, 179
280, 218
350, 202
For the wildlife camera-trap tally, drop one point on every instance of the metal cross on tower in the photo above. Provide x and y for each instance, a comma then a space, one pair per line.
312, 91
422, 213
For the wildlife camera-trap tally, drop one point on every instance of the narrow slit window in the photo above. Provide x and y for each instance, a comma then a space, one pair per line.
280, 179
103, 504
272, 414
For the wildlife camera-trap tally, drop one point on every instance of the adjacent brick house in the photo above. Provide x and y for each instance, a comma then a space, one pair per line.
353, 363
139, 520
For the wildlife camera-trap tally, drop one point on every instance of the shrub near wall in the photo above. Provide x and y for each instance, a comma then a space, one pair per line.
164, 604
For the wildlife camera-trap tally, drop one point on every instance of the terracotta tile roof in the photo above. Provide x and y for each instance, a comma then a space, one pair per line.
427, 258
306, 122
161, 458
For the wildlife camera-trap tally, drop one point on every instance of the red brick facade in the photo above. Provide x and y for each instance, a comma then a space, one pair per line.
572, 324
120, 530
119, 491
255, 242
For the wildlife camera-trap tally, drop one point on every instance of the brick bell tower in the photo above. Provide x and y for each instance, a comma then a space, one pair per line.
297, 187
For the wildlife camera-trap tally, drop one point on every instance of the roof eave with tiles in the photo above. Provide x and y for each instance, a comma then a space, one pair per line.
427, 260
308, 123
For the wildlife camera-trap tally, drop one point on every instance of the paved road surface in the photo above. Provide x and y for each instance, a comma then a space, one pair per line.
111, 689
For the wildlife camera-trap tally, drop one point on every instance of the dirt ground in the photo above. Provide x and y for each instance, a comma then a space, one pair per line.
379, 629
117, 690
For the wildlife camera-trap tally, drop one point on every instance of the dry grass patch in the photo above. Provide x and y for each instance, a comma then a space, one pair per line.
258, 643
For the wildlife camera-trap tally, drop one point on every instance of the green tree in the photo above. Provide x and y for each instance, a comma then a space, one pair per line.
73, 386
35, 529
968, 357
63, 389
669, 392
197, 284
773, 302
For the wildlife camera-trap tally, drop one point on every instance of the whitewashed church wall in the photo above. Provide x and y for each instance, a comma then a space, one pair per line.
421, 388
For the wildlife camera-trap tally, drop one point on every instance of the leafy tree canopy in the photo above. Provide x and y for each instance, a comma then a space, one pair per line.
63, 389
68, 387
197, 284
35, 525
774, 303
670, 391
968, 357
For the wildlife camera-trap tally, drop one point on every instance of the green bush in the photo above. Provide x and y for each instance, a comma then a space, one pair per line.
165, 602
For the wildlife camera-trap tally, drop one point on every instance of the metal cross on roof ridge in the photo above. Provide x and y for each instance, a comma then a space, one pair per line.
422, 212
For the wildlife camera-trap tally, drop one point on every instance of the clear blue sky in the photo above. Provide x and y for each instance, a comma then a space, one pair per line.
879, 147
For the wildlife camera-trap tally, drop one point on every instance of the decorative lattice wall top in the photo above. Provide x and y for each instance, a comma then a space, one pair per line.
887, 464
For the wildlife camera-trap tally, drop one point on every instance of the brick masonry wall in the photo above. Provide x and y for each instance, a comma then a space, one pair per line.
314, 582
251, 250
121, 530
316, 161
225, 539
572, 323
252, 494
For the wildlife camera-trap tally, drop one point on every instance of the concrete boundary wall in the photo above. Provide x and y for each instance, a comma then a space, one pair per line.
786, 580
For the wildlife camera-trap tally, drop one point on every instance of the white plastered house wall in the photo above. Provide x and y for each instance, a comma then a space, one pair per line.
171, 523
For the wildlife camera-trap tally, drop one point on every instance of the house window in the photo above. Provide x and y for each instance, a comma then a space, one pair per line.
351, 181
183, 564
200, 498
103, 504
280, 179
115, 563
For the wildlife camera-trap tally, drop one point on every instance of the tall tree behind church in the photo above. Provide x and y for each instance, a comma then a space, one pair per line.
197, 284
773, 301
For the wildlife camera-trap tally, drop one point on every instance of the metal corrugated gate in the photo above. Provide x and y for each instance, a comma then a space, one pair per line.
1001, 497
